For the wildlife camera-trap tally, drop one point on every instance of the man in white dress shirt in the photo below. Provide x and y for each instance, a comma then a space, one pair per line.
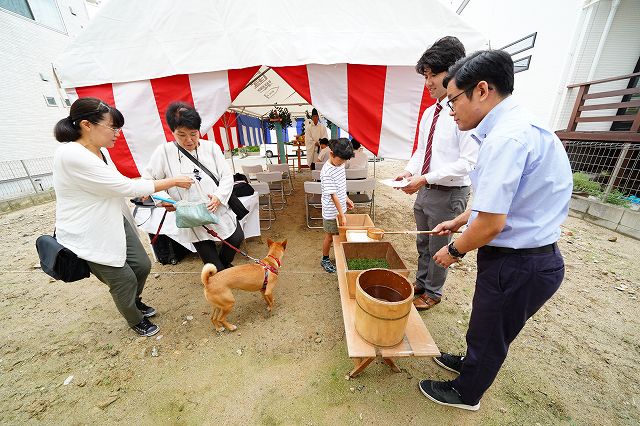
313, 132
438, 170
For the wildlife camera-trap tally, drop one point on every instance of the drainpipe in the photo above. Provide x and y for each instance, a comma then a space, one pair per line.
603, 39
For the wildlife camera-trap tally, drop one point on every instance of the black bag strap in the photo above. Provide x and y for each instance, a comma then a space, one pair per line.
197, 163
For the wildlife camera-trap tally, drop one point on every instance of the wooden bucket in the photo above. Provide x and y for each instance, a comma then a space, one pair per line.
378, 321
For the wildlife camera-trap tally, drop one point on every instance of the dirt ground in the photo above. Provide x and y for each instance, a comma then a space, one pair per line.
575, 362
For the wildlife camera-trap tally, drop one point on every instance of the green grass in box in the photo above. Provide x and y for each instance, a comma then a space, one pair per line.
360, 264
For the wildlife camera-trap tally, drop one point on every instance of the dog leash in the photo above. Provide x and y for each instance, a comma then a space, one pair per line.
267, 268
155, 237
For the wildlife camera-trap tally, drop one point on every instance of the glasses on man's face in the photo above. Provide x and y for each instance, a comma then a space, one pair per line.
450, 101
113, 129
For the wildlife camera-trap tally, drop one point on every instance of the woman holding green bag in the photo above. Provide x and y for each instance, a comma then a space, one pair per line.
170, 159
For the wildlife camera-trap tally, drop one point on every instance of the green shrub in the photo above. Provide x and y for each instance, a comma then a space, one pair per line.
618, 198
582, 183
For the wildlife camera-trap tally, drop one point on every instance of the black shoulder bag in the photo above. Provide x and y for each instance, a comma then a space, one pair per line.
234, 202
59, 262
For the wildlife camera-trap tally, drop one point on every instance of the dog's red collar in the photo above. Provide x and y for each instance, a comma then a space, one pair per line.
276, 259
268, 268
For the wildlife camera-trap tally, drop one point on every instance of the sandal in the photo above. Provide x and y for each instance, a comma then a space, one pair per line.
424, 302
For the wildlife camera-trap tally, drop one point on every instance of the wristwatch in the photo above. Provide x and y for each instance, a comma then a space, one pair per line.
453, 252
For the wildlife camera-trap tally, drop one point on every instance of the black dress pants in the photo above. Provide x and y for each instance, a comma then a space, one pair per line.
221, 259
510, 288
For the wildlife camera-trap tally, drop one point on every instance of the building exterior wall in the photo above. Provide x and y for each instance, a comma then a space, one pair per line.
505, 21
619, 56
27, 50
568, 33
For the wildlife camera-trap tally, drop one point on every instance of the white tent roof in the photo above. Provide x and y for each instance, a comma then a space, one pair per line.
353, 60
143, 39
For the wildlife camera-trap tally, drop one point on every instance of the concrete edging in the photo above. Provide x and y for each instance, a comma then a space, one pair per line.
615, 218
30, 200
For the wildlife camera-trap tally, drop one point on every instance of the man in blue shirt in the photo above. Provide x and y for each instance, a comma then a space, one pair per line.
522, 185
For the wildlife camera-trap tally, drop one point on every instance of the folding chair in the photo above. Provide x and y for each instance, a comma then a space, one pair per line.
264, 197
312, 199
276, 183
315, 175
362, 193
251, 171
353, 174
319, 164
286, 174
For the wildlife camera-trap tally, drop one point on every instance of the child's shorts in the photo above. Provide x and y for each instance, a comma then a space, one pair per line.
330, 226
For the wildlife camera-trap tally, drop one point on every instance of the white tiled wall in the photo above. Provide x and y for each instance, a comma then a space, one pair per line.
26, 50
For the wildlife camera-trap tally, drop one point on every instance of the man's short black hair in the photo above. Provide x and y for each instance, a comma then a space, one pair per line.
323, 141
342, 149
441, 55
493, 66
180, 114
314, 112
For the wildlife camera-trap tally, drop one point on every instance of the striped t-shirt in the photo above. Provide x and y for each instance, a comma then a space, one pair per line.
334, 181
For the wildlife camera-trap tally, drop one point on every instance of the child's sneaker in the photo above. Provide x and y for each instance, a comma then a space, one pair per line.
327, 265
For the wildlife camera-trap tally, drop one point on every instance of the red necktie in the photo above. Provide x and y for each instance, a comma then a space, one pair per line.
427, 154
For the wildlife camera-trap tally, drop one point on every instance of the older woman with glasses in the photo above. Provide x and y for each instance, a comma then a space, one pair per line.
168, 160
92, 218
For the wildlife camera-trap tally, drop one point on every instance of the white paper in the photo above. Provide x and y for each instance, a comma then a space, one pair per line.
358, 236
395, 183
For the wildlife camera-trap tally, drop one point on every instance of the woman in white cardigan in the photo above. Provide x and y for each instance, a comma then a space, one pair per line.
92, 218
167, 160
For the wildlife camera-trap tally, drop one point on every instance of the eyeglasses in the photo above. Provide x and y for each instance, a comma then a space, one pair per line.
114, 129
450, 101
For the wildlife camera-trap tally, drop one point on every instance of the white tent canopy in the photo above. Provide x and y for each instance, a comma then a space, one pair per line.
145, 39
352, 60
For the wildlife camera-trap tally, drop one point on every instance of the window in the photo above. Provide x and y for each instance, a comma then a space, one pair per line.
44, 12
51, 101
21, 7
521, 45
521, 64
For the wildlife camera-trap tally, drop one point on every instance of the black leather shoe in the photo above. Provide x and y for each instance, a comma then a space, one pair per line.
443, 393
450, 362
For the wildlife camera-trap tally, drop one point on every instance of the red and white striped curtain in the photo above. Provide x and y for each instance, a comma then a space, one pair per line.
380, 106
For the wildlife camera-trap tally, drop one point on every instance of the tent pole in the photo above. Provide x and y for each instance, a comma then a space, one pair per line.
225, 121
375, 160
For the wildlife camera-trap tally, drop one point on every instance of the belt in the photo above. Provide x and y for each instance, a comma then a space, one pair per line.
549, 248
443, 187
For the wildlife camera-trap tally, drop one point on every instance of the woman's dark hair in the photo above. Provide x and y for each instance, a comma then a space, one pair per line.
441, 55
93, 110
180, 114
493, 66
355, 144
342, 148
323, 141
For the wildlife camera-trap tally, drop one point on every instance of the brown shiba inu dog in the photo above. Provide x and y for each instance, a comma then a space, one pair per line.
252, 277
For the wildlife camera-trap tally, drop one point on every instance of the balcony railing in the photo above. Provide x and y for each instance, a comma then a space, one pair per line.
622, 127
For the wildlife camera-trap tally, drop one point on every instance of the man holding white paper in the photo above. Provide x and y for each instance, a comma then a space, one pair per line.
438, 170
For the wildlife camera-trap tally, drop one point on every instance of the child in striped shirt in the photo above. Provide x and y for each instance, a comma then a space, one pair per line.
334, 196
